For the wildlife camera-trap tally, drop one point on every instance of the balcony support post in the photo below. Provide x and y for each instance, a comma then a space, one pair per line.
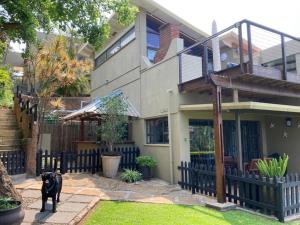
241, 52
284, 71
250, 49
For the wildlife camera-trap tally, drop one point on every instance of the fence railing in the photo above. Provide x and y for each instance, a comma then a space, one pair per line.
83, 161
14, 161
252, 47
272, 196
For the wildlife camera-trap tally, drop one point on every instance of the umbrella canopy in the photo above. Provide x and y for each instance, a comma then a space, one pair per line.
97, 107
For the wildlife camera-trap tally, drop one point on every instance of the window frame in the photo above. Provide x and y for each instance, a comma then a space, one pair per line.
153, 128
115, 44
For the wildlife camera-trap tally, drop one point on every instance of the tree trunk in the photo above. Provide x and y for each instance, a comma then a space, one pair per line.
7, 188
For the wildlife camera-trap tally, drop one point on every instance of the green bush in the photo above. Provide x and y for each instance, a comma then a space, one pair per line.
131, 176
7, 203
6, 94
274, 167
146, 161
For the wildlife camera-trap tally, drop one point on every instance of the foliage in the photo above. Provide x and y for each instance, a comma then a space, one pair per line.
20, 19
57, 103
146, 161
131, 176
53, 68
113, 120
202, 139
6, 84
136, 213
274, 167
7, 203
79, 87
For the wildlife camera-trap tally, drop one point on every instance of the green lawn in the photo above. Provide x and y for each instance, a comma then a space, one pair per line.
129, 213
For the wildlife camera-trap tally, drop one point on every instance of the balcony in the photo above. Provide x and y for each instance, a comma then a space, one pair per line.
246, 56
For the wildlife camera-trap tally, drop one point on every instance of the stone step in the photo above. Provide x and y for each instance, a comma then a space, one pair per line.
10, 118
7, 122
8, 127
7, 112
10, 141
9, 133
10, 147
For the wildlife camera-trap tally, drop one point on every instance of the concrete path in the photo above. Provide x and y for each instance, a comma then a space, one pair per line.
81, 192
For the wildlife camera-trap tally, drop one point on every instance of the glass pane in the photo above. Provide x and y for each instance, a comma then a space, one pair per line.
113, 49
151, 54
100, 59
152, 40
128, 37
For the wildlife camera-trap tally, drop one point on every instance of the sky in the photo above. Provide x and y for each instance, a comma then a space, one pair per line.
283, 15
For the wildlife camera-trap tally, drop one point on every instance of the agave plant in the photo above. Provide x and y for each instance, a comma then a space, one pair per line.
274, 167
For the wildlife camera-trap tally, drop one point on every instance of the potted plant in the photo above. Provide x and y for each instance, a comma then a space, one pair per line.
112, 130
146, 163
11, 212
272, 168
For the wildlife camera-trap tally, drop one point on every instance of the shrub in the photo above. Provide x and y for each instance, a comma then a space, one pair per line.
146, 161
274, 167
7, 203
131, 176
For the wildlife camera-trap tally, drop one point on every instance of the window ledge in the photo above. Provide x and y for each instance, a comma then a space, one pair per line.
158, 145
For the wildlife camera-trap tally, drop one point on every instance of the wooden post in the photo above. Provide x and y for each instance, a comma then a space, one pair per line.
219, 145
235, 95
81, 129
239, 140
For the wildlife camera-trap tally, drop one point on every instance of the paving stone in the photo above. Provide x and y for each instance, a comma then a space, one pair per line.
115, 195
71, 207
64, 196
59, 217
81, 198
91, 191
31, 194
38, 205
70, 190
34, 216
140, 197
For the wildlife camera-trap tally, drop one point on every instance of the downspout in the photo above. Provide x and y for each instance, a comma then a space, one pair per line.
170, 91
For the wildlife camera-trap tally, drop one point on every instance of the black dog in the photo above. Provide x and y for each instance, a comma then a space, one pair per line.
52, 184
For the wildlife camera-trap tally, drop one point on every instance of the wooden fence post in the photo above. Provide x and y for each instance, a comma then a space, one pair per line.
62, 162
93, 161
280, 201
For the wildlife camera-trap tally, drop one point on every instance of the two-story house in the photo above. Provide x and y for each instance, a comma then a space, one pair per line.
165, 67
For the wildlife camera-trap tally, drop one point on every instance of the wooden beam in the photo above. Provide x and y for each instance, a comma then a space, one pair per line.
239, 140
226, 82
219, 145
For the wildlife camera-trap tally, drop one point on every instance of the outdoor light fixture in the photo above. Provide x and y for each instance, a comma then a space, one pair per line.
288, 122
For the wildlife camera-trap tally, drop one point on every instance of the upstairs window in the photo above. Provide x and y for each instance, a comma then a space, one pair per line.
153, 37
157, 131
119, 44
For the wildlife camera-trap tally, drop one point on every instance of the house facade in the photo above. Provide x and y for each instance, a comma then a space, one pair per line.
163, 72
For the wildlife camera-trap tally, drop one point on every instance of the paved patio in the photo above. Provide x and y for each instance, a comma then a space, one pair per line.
81, 192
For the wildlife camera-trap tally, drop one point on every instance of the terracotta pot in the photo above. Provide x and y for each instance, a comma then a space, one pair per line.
110, 165
12, 216
146, 172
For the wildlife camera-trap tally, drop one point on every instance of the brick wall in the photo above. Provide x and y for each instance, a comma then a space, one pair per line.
168, 32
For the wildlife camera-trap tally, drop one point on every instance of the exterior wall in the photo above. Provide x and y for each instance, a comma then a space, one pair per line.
277, 142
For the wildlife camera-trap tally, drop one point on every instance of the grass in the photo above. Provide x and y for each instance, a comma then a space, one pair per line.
130, 213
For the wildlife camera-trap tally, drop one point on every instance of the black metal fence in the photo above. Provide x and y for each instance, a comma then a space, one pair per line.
14, 161
272, 196
88, 161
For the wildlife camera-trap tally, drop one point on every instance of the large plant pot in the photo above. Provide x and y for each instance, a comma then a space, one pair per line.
12, 216
110, 165
146, 172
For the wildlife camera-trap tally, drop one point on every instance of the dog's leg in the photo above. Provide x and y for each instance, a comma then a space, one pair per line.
58, 196
54, 204
44, 200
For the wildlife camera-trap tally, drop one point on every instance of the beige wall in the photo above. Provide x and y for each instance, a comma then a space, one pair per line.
277, 142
